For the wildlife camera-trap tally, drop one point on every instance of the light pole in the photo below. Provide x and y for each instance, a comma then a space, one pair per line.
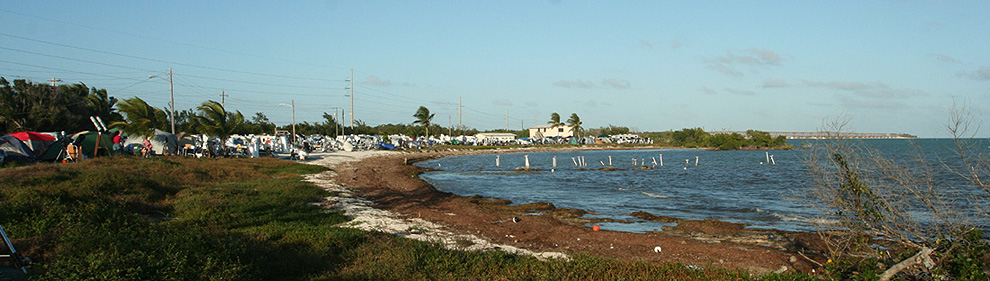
293, 105
171, 94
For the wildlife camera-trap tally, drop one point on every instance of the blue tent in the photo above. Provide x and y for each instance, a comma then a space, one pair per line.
16, 150
386, 146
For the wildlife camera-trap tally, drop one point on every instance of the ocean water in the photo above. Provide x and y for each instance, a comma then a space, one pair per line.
734, 186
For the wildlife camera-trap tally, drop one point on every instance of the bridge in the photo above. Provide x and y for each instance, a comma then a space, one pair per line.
829, 135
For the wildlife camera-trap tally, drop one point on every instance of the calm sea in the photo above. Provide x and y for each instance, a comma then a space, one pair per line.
734, 186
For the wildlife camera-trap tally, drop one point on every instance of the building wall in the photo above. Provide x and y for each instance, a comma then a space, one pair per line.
545, 131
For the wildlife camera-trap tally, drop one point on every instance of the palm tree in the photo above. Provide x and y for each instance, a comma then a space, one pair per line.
100, 104
215, 121
141, 118
554, 120
423, 117
575, 123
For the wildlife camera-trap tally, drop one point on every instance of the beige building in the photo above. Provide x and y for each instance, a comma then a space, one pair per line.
547, 131
496, 136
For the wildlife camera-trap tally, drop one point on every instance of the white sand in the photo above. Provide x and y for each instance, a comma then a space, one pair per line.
366, 217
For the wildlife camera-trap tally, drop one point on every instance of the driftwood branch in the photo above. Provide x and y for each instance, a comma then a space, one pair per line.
923, 257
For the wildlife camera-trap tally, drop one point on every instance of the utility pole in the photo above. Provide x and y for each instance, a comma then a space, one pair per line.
506, 120
54, 80
352, 99
460, 126
171, 94
223, 96
293, 121
336, 122
171, 97
450, 126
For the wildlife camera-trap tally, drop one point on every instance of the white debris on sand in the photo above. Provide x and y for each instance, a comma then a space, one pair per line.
365, 217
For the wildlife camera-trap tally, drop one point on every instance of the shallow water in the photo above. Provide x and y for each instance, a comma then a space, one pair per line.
734, 186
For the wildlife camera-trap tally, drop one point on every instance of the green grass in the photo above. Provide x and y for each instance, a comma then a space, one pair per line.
171, 218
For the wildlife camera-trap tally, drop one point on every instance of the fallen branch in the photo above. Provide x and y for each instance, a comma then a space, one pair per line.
923, 257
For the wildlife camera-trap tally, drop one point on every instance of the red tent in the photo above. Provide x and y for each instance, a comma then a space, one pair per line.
38, 142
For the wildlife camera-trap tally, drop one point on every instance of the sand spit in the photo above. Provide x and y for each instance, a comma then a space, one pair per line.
366, 217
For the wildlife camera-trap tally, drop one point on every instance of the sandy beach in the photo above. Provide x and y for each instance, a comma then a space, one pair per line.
380, 190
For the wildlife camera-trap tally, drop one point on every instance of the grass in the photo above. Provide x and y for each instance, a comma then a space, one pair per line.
170, 218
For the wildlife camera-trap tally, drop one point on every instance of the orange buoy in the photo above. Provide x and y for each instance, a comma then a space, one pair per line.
596, 228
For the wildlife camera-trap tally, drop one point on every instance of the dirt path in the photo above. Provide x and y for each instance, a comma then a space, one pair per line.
383, 193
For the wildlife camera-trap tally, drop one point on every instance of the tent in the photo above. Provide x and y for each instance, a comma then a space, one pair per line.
90, 142
158, 142
16, 150
38, 142
56, 151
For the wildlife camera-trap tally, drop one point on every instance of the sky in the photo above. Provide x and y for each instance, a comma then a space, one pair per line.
884, 66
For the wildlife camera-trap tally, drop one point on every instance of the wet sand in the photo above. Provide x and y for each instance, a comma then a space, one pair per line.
382, 191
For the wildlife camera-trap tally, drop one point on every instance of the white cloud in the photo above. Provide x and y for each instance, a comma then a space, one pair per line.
616, 83
504, 102
578, 83
775, 83
724, 69
846, 85
708, 91
946, 59
613, 83
531, 104
674, 44
588, 103
740, 92
646, 43
751, 58
982, 74
375, 81
850, 102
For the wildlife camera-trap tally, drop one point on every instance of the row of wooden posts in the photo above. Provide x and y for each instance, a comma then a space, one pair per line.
580, 161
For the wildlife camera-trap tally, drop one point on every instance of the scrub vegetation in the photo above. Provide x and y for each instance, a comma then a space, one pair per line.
171, 218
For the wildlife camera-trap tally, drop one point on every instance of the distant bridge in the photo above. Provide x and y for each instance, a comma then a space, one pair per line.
828, 135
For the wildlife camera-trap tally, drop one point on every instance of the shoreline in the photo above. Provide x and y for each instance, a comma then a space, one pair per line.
382, 192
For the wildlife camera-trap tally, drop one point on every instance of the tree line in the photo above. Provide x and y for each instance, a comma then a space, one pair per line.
28, 106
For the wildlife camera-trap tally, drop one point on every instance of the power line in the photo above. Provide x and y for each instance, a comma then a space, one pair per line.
151, 38
148, 70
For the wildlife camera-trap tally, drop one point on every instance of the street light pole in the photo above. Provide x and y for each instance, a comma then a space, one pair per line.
171, 95
293, 105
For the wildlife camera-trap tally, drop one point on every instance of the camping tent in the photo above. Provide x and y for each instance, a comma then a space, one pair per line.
38, 142
91, 142
158, 141
16, 150
56, 151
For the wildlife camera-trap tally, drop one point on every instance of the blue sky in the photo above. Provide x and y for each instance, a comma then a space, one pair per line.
889, 66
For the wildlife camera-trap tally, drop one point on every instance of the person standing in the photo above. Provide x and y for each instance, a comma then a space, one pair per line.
147, 148
118, 142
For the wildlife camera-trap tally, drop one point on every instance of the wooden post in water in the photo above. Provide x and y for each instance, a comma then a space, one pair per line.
555, 161
661, 159
634, 161
768, 157
654, 161
696, 160
527, 161
496, 161
610, 160
771, 160
575, 162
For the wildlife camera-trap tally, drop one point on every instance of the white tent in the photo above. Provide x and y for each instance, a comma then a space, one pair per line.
161, 141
